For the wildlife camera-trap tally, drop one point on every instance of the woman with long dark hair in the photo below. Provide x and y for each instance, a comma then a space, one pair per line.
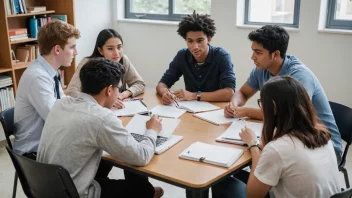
295, 157
109, 44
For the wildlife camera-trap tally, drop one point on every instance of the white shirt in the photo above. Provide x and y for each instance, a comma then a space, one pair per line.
294, 170
34, 98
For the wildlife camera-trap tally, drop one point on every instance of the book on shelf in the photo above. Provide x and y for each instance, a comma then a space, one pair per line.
61, 17
18, 38
17, 31
15, 7
5, 81
22, 54
212, 154
13, 55
36, 9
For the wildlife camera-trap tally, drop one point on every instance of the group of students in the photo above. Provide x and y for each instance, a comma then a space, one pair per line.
300, 140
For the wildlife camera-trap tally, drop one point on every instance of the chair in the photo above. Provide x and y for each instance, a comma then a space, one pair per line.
40, 180
6, 119
343, 118
344, 194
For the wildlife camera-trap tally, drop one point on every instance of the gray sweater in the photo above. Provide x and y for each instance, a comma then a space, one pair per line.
76, 132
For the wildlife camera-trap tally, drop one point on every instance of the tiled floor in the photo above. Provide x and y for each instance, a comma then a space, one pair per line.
7, 175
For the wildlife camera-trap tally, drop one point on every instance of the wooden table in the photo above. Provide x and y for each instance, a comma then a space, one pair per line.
194, 176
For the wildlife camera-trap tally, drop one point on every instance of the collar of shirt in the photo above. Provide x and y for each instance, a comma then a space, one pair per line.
207, 61
86, 97
285, 65
47, 66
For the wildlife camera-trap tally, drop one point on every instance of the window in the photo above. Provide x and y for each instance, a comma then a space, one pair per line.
279, 12
339, 14
171, 10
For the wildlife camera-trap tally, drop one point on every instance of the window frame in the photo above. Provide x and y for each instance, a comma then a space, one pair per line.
295, 23
333, 23
166, 17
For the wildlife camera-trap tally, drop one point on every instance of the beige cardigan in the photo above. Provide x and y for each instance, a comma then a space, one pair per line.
131, 81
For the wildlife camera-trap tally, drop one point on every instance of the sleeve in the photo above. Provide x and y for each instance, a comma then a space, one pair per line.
174, 72
117, 141
253, 80
227, 75
74, 87
133, 79
270, 166
306, 79
41, 95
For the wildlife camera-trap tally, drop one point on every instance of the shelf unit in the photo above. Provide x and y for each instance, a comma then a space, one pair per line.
15, 70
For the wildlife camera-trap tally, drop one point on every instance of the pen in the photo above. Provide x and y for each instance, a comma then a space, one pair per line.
132, 99
176, 104
143, 103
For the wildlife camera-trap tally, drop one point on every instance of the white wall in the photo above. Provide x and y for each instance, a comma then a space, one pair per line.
152, 46
91, 16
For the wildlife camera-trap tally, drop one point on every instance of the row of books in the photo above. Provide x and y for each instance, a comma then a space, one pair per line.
7, 98
19, 7
26, 53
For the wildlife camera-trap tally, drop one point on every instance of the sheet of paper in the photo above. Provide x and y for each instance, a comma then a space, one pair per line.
131, 108
167, 111
137, 125
197, 106
235, 128
215, 117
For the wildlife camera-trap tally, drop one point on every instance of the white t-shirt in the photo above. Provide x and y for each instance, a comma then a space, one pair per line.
294, 170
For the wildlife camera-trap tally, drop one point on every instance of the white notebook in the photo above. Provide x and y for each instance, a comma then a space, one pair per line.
212, 154
131, 108
215, 117
137, 125
231, 135
167, 111
194, 106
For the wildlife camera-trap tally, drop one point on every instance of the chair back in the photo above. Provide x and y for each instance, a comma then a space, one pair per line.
6, 119
344, 194
42, 180
343, 118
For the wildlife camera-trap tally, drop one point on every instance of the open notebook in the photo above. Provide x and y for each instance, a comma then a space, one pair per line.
165, 139
167, 111
194, 106
215, 117
212, 154
231, 135
131, 108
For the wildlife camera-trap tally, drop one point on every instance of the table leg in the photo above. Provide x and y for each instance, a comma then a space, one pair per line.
197, 193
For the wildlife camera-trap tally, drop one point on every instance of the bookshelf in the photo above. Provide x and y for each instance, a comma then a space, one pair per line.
15, 70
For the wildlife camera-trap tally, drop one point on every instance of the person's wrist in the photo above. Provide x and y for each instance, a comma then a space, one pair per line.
194, 96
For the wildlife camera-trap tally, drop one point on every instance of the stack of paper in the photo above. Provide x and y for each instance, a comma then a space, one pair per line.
215, 117
132, 108
212, 154
196, 106
231, 135
167, 111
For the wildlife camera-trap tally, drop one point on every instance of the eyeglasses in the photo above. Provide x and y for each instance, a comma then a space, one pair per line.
121, 89
259, 103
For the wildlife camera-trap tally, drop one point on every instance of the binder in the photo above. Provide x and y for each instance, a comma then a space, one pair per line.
212, 154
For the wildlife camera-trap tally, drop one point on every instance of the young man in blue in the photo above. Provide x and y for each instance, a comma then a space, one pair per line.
207, 70
269, 45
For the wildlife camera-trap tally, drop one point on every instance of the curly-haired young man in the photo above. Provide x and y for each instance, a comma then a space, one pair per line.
207, 70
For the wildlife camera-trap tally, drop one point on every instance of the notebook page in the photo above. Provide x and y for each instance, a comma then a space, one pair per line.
167, 111
197, 106
235, 128
215, 117
131, 108
137, 125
